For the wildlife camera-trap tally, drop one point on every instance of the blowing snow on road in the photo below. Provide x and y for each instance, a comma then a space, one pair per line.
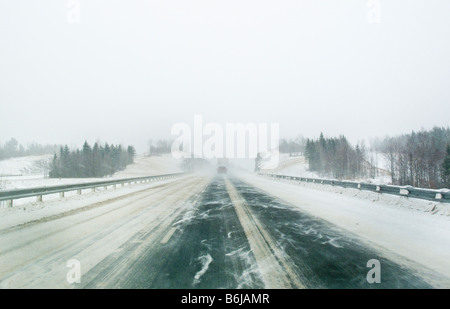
219, 231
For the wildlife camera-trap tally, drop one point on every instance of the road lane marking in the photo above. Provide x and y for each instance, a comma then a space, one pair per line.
276, 270
168, 235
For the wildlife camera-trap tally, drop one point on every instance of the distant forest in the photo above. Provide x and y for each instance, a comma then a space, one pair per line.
96, 161
420, 159
12, 149
294, 146
157, 148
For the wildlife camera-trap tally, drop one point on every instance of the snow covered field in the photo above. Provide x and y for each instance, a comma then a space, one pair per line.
31, 165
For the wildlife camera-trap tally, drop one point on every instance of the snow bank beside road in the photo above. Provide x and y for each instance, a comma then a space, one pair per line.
414, 235
34, 211
433, 207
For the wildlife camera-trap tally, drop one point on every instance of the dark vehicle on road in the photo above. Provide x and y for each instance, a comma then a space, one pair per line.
222, 170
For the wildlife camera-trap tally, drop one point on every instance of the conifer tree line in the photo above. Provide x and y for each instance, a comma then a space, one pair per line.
336, 158
420, 159
96, 161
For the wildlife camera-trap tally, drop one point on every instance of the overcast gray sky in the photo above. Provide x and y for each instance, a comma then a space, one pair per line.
131, 69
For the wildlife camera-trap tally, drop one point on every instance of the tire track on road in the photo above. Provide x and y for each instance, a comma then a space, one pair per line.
137, 197
276, 269
82, 209
114, 271
209, 249
80, 240
325, 255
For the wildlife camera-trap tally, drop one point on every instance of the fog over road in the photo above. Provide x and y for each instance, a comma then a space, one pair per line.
197, 231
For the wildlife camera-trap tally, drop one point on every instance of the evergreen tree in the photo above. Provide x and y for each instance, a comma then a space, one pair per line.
335, 157
98, 161
131, 154
446, 168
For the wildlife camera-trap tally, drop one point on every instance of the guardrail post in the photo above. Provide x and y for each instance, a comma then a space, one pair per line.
442, 195
404, 192
8, 196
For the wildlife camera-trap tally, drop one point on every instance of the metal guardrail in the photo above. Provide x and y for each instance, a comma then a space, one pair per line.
442, 195
15, 194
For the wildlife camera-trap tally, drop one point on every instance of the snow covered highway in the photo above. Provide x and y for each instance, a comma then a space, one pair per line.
221, 231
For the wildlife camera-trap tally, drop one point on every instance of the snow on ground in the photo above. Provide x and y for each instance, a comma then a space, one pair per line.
148, 166
143, 166
391, 223
21, 173
292, 166
298, 167
26, 210
29, 209
36, 255
23, 165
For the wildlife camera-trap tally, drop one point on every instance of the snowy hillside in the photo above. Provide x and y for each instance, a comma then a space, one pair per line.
292, 166
148, 166
24, 165
27, 172
298, 166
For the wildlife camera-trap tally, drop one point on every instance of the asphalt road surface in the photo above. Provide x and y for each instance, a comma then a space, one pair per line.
196, 232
